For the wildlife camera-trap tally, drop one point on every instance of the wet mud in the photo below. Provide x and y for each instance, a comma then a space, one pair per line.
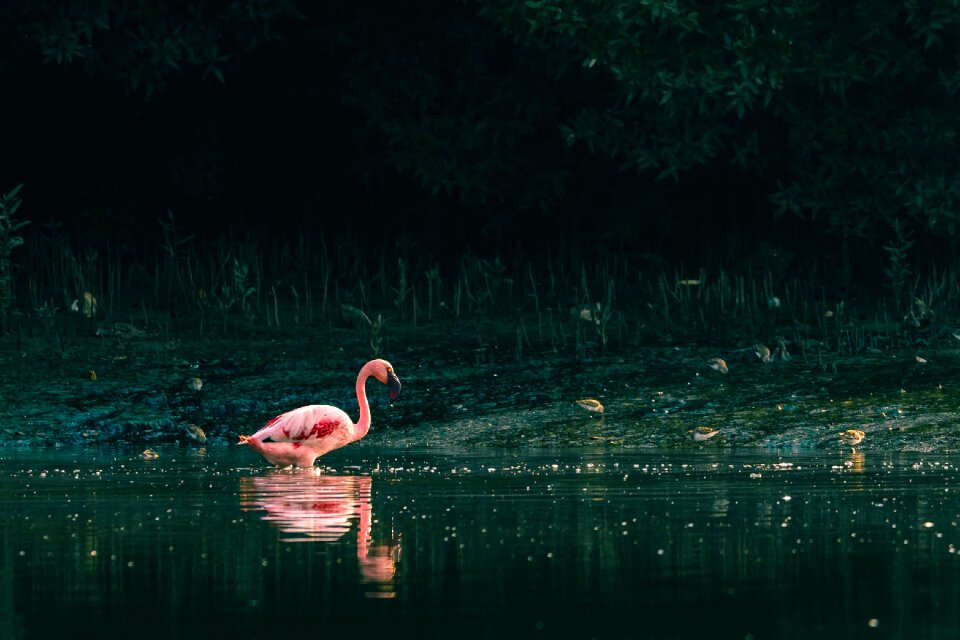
152, 389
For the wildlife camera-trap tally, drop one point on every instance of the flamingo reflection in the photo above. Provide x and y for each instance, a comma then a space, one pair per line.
321, 508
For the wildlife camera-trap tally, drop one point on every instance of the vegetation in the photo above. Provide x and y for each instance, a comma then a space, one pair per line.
9, 240
567, 168
574, 305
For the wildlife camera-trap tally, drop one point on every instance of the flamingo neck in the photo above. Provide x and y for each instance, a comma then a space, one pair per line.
363, 424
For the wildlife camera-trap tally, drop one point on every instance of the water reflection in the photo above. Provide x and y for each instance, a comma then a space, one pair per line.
312, 507
561, 545
854, 462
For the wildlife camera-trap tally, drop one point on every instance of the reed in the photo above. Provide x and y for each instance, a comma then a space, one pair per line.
10, 239
565, 301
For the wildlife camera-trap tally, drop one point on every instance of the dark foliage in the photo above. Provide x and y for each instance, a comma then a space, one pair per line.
703, 130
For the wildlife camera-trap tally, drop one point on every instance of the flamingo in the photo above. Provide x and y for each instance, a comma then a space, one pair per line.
300, 436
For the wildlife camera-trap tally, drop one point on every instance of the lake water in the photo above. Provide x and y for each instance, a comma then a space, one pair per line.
536, 543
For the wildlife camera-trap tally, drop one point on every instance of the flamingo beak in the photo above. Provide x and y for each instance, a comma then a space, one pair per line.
394, 383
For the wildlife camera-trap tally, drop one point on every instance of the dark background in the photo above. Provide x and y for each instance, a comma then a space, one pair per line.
673, 132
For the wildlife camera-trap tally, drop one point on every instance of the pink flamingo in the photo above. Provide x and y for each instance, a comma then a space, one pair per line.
301, 436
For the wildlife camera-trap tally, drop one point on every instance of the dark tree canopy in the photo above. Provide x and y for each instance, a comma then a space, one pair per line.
695, 128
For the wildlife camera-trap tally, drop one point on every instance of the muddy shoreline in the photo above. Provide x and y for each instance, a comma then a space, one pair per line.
464, 388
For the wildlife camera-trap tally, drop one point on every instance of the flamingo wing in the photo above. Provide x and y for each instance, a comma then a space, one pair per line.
306, 425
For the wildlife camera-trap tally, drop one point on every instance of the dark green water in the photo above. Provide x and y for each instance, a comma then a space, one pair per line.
210, 543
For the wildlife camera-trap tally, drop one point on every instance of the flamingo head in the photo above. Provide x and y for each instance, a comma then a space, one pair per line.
383, 371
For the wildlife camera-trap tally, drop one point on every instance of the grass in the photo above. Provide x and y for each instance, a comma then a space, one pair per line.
569, 303
10, 239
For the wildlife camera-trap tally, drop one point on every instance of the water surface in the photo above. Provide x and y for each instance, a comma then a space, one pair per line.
563, 543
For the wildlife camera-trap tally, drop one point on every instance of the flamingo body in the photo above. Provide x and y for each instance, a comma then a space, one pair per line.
300, 436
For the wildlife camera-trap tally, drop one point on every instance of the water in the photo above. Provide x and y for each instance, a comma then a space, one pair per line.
210, 543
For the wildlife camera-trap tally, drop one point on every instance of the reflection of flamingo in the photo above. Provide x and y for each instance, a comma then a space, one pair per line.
321, 508
300, 436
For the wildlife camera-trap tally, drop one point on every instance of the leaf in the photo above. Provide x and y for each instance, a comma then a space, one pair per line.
669, 172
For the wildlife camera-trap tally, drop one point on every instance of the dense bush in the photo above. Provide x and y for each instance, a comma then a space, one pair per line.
532, 120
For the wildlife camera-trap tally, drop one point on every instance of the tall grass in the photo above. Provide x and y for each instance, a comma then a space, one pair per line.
566, 300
